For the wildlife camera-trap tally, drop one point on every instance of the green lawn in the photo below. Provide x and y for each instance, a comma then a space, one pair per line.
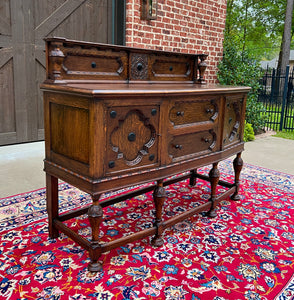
274, 115
273, 118
285, 134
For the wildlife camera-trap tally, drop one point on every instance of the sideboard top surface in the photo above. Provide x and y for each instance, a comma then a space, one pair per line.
111, 89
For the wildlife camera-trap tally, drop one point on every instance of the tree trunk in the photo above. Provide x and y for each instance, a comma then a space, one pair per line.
245, 26
286, 41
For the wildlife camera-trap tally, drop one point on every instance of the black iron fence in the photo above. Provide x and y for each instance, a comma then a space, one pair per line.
277, 96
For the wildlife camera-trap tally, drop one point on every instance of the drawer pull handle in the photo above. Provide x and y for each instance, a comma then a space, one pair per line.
179, 147
180, 113
206, 140
113, 114
171, 68
132, 137
139, 67
151, 157
209, 110
93, 65
111, 164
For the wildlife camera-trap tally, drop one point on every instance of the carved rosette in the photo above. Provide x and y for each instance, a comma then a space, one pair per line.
133, 138
139, 67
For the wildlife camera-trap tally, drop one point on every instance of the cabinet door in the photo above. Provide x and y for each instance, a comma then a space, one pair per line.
132, 137
233, 119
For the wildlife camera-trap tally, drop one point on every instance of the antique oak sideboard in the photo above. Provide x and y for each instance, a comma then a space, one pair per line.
116, 117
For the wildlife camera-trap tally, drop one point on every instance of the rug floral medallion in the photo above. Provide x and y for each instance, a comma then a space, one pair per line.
246, 252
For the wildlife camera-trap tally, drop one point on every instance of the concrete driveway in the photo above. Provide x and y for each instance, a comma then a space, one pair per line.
270, 152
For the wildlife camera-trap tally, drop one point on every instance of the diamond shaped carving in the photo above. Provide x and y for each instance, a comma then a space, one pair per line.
139, 66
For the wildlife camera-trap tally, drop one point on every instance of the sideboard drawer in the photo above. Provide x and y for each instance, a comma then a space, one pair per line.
165, 67
110, 66
188, 112
132, 137
194, 144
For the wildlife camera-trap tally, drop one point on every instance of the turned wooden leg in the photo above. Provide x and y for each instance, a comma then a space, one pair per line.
159, 197
213, 178
193, 177
238, 164
95, 214
52, 204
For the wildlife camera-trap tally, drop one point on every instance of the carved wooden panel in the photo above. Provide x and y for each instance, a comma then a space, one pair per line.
139, 67
232, 120
68, 62
132, 139
83, 60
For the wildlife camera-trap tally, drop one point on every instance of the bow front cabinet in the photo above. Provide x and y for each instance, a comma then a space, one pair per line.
117, 117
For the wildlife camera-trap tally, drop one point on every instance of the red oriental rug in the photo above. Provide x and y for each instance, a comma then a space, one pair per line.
246, 252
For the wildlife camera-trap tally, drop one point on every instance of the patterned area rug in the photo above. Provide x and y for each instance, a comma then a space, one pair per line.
246, 252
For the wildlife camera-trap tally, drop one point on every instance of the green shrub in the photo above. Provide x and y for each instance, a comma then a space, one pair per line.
237, 68
248, 132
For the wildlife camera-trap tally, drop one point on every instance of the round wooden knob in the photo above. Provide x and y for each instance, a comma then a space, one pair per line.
113, 114
139, 67
111, 164
131, 136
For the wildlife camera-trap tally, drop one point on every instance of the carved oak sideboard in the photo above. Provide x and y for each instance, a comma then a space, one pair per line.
117, 117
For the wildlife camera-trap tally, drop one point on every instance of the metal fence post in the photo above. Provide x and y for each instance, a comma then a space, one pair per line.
284, 98
272, 85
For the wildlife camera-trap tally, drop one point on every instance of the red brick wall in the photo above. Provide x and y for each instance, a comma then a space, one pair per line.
187, 26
